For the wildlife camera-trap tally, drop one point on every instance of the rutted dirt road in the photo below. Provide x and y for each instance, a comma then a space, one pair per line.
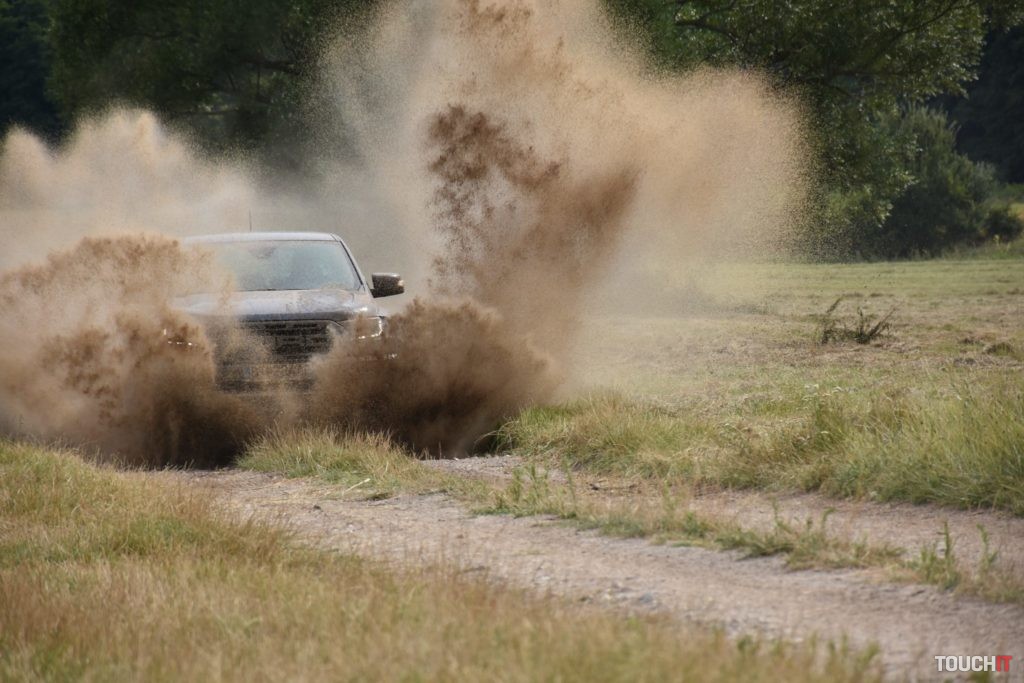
899, 525
912, 623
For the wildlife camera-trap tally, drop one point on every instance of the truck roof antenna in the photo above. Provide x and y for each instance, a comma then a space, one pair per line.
250, 220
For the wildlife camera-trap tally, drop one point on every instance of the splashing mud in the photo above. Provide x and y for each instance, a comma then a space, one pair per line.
521, 145
86, 355
532, 259
448, 371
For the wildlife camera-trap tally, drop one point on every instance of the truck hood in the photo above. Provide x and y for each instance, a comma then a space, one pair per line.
313, 304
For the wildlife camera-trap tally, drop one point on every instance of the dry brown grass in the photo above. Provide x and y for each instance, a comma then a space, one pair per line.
114, 576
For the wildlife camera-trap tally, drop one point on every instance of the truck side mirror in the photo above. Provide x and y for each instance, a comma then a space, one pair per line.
386, 284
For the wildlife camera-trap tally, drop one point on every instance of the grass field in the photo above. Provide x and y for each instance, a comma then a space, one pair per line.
729, 384
115, 576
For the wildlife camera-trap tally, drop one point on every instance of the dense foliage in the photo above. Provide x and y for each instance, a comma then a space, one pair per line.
857, 66
25, 56
948, 198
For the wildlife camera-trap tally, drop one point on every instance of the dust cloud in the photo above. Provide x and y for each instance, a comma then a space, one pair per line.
119, 173
94, 355
516, 159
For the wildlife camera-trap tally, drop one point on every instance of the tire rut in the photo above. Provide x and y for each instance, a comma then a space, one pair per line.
911, 623
900, 525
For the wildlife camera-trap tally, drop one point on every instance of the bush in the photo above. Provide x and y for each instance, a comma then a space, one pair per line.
922, 198
946, 203
1003, 223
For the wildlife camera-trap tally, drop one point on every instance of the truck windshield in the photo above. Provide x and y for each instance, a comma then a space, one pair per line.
286, 265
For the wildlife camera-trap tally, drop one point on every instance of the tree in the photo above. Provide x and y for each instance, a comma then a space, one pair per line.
856, 65
233, 71
948, 199
24, 52
848, 60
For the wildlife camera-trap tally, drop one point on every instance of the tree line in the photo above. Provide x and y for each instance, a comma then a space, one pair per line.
916, 107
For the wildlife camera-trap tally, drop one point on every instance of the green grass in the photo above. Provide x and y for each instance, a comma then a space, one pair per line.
347, 459
744, 394
112, 576
609, 434
964, 448
940, 566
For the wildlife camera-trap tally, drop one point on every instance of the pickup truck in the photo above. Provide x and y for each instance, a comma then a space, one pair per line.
294, 295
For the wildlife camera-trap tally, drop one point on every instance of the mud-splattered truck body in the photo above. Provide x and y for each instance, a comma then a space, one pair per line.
293, 295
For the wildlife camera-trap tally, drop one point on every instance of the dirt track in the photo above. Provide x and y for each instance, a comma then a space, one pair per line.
913, 623
899, 525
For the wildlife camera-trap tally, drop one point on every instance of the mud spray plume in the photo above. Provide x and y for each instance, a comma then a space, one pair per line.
522, 144
556, 167
87, 359
119, 173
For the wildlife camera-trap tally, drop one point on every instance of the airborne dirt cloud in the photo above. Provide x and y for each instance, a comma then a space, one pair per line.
86, 357
517, 160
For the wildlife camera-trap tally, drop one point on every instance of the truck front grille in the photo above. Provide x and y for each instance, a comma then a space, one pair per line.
293, 341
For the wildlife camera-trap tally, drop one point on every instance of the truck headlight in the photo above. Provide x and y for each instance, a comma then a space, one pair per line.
364, 327
369, 328
176, 340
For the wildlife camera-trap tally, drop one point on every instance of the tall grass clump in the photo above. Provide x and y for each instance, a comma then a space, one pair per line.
327, 453
367, 464
963, 447
607, 434
965, 450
